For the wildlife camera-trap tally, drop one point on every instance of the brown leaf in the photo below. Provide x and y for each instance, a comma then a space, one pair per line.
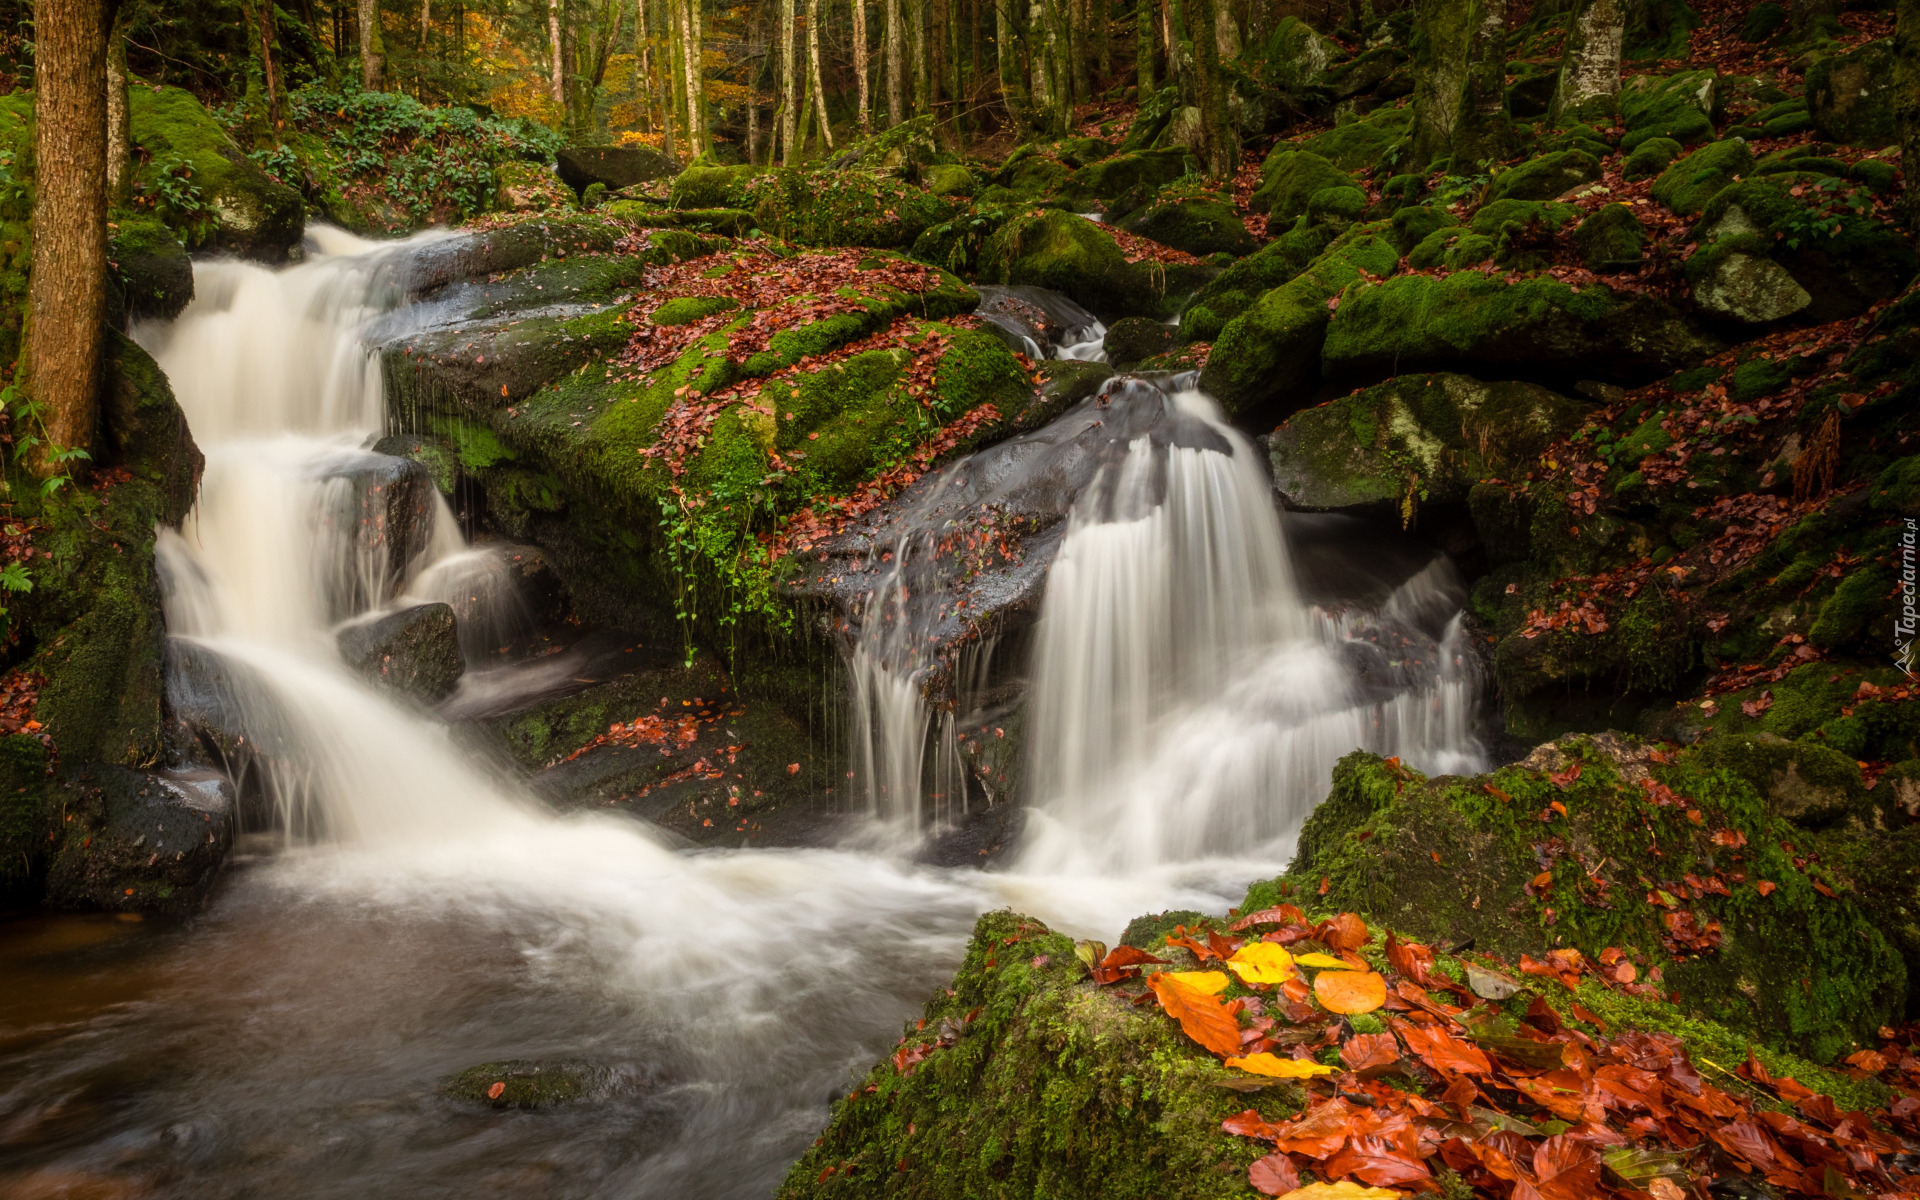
1273, 1175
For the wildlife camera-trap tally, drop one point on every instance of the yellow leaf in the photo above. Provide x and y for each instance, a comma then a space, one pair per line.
1261, 962
1326, 962
1210, 982
1280, 1068
1346, 1189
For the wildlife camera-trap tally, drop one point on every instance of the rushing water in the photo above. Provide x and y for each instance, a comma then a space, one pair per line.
414, 914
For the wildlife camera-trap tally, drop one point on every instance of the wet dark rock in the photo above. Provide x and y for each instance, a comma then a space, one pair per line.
1033, 320
978, 839
1132, 340
155, 274
382, 511
141, 841
529, 1083
614, 166
415, 651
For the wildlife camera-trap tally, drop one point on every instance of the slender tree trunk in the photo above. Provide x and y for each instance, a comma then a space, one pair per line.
263, 20
699, 137
1590, 60
860, 66
976, 57
956, 107
917, 55
68, 287
813, 72
1102, 27
1170, 38
554, 40
1080, 50
119, 110
1906, 105
426, 22
1222, 148
1484, 130
1143, 47
644, 76
896, 66
1006, 42
373, 53
1440, 76
789, 88
754, 46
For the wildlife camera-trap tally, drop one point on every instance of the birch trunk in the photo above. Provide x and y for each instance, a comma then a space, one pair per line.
896, 66
373, 53
1590, 61
860, 66
68, 286
813, 72
119, 111
789, 87
699, 139
559, 86
426, 21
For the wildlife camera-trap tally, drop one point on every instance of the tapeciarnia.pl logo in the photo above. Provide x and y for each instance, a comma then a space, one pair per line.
1905, 624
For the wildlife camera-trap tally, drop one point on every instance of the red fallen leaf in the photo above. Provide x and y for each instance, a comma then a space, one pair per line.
793, 768
1871, 1061
1377, 1161
1323, 885
1122, 962
1285, 914
1754, 708
1564, 779
496, 1091
1201, 950
1204, 1018
1344, 932
1248, 1124
1273, 1175
1318, 1132
1441, 1050
1566, 1169
1370, 1052
1764, 887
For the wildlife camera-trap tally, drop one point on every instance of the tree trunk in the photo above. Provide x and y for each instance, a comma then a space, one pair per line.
922, 83
68, 287
1170, 38
789, 88
1484, 131
1102, 28
1590, 61
896, 67
813, 72
426, 22
263, 16
860, 66
1080, 59
1906, 105
1439, 76
1221, 146
950, 62
1143, 47
1006, 43
699, 138
1040, 66
373, 53
559, 84
119, 110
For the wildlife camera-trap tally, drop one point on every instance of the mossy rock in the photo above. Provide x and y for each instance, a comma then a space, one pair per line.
1763, 21
1030, 172
1151, 120
1417, 222
1267, 359
1843, 260
1197, 225
1092, 1096
1687, 185
1075, 256
728, 222
1811, 785
1545, 177
238, 209
1132, 340
1612, 239
529, 187
1361, 143
845, 208
1651, 158
1850, 97
1140, 171
1578, 136
1897, 490
950, 179
1336, 207
1289, 178
1423, 322
154, 273
1295, 56
24, 819
1432, 435
706, 184
1680, 107
907, 149
526, 1084
687, 309
1420, 832
1278, 262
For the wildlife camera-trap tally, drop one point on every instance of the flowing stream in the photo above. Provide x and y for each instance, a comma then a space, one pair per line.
413, 913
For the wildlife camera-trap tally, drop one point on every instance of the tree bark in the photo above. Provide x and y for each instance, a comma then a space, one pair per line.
922, 83
699, 138
1080, 50
68, 288
1040, 66
1143, 47
813, 71
896, 66
1102, 28
1439, 76
1484, 130
950, 62
1006, 43
1906, 105
373, 51
1222, 147
555, 41
119, 110
1590, 60
860, 64
426, 22
789, 88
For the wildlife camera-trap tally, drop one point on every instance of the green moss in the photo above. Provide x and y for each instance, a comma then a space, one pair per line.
1362, 143
1198, 225
1898, 488
685, 310
1092, 1096
1677, 107
1687, 185
522, 1084
1653, 156
23, 817
1416, 222
1075, 256
1612, 239
844, 208
1546, 176
705, 184
1235, 289
1288, 179
205, 188
1124, 174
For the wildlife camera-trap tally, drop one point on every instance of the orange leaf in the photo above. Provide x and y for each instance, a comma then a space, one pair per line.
1764, 887
1344, 932
1273, 1175
1350, 991
496, 1091
1204, 1018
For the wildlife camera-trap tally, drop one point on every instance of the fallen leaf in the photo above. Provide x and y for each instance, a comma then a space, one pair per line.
1261, 962
1490, 985
1211, 983
1346, 1189
1325, 962
1370, 1052
1204, 1018
1268, 1063
496, 1091
1273, 1175
1350, 991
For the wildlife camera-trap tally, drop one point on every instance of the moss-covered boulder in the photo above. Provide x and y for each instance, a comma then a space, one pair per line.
1092, 1096
1134, 173
845, 208
151, 267
1850, 97
1268, 358
1430, 437
1417, 322
1545, 177
527, 1084
1361, 142
614, 167
154, 841
1075, 256
1289, 178
1683, 864
1680, 106
1762, 247
1652, 157
1687, 185
1198, 225
528, 187
950, 179
1612, 239
414, 651
907, 149
707, 184
204, 186
1132, 340
1235, 290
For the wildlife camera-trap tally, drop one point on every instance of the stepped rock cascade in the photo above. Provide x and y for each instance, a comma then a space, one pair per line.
1185, 700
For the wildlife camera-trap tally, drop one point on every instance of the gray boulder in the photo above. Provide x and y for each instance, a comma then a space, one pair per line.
614, 166
415, 650
141, 841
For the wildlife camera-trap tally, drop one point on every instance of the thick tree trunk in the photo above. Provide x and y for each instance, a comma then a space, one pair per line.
896, 66
813, 72
789, 87
119, 110
917, 31
860, 65
1590, 60
699, 138
68, 288
373, 52
1006, 42
1222, 147
1143, 47
1040, 66
555, 43
1484, 130
1439, 76
1102, 29
1906, 106
1080, 50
